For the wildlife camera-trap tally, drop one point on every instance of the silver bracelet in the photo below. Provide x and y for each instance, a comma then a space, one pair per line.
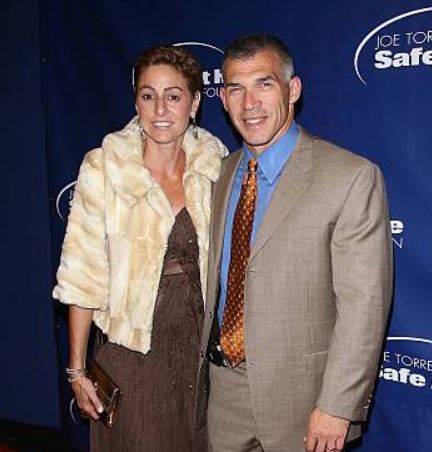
75, 374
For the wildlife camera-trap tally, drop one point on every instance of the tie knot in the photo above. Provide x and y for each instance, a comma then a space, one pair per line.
252, 165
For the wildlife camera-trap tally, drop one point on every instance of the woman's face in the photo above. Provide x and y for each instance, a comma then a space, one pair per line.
164, 104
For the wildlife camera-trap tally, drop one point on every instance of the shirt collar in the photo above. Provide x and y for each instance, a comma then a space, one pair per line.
273, 159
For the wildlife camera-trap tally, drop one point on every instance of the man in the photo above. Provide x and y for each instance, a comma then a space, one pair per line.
300, 273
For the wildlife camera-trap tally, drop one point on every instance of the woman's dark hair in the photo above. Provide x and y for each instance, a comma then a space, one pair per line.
178, 58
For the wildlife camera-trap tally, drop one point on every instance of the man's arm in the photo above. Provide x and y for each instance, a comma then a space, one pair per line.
362, 280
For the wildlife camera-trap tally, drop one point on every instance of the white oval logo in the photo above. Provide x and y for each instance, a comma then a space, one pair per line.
385, 58
405, 366
212, 73
64, 200
200, 44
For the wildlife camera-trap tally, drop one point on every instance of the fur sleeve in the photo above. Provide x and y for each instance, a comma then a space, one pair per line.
82, 277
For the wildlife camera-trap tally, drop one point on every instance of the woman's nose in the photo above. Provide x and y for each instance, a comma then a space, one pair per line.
160, 105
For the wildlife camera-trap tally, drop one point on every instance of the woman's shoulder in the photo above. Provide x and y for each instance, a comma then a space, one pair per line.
210, 143
93, 159
204, 152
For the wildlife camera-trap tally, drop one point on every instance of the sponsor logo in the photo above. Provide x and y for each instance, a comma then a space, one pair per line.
211, 57
64, 200
395, 45
397, 231
404, 367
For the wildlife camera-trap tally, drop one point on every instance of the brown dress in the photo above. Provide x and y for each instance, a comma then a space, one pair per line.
156, 413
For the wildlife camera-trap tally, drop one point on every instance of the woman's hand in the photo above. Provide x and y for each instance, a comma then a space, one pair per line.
86, 397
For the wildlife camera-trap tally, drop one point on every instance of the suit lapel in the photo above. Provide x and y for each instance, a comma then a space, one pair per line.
220, 203
294, 180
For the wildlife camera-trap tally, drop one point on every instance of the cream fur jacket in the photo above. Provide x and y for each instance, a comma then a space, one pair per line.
118, 232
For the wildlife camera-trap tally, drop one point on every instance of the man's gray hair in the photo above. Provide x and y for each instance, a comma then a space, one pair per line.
248, 46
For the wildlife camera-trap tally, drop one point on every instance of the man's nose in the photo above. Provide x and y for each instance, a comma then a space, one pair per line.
250, 101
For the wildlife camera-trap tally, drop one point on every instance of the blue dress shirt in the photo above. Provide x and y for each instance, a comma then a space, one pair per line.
270, 165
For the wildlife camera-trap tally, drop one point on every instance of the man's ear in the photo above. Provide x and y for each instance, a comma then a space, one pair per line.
295, 88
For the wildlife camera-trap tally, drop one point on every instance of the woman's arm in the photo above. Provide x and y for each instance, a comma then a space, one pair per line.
79, 328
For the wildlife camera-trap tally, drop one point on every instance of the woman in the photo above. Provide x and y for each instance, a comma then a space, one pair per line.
134, 259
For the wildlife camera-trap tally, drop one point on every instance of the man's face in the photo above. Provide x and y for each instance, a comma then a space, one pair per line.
258, 98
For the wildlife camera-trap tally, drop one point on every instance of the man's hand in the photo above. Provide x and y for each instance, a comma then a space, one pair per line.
325, 432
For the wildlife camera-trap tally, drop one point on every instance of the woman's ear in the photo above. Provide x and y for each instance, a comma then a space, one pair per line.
195, 103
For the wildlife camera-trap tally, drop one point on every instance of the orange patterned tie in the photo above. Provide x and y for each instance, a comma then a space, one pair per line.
232, 332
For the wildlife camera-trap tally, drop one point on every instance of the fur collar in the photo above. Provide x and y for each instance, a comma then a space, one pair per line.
131, 180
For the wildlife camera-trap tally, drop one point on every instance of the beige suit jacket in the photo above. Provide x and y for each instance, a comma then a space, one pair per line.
318, 290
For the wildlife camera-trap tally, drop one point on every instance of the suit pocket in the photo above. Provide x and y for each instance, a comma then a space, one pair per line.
316, 363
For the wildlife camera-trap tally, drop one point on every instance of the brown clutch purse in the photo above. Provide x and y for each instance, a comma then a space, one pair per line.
107, 390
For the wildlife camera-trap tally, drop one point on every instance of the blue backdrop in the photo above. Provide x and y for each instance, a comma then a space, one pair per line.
366, 69
28, 370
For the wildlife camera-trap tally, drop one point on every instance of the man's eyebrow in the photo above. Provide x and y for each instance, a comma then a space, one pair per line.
232, 84
266, 78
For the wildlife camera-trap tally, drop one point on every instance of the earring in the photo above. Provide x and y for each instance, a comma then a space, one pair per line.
194, 128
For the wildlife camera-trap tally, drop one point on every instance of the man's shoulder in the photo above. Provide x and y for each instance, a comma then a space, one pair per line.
330, 154
229, 162
233, 155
